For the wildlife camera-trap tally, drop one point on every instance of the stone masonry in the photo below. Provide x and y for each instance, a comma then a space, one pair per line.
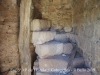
53, 49
59, 12
77, 20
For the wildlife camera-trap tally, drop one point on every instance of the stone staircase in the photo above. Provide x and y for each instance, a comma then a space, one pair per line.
54, 50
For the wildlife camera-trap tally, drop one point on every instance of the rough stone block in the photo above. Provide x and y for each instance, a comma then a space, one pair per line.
67, 48
78, 62
56, 27
42, 37
81, 73
61, 37
53, 63
49, 49
38, 25
67, 29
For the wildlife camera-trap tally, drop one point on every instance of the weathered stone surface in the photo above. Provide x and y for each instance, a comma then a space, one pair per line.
67, 48
78, 62
57, 27
67, 29
97, 31
53, 63
85, 18
37, 25
49, 49
89, 29
66, 1
52, 8
12, 72
56, 2
71, 37
9, 57
12, 63
47, 73
61, 37
42, 37
81, 73
40, 73
55, 10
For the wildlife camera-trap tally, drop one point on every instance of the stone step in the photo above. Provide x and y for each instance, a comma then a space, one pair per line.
53, 63
53, 48
42, 37
59, 62
81, 73
45, 36
38, 25
49, 49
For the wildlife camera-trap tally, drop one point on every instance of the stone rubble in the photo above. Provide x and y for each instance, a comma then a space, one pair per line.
53, 49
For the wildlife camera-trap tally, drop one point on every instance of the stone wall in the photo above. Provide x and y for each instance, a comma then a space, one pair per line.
57, 11
86, 25
9, 56
82, 15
